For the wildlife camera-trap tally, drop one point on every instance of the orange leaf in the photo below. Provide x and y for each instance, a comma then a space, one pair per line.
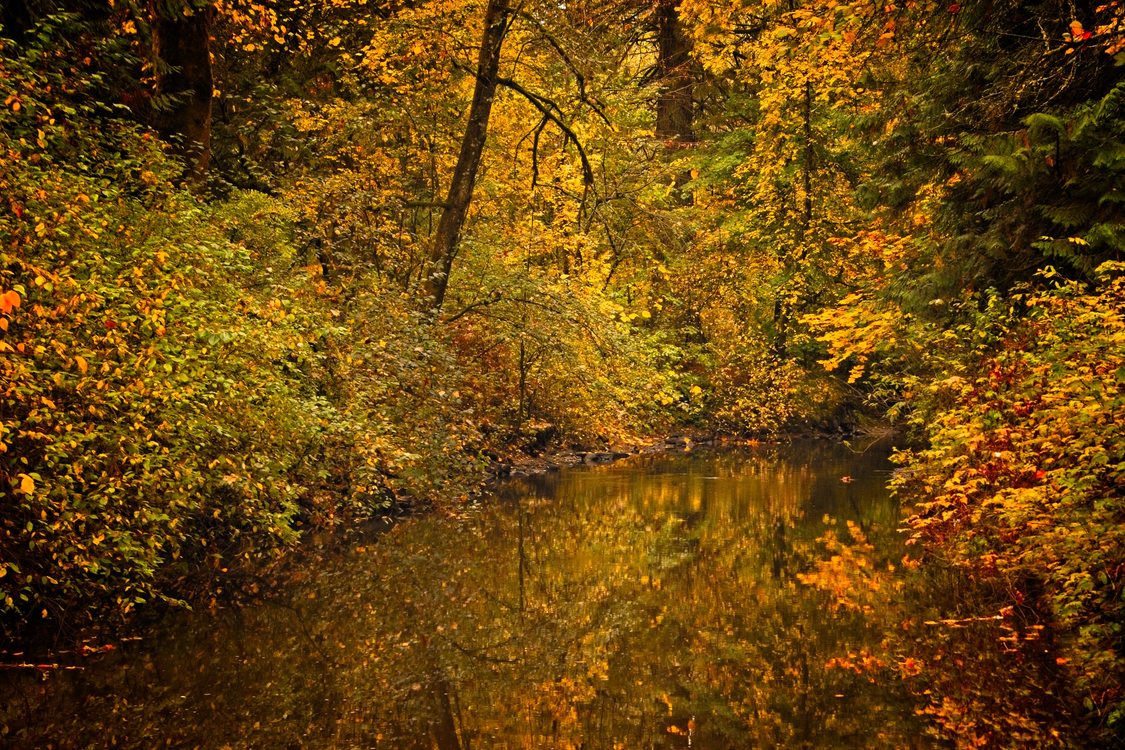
9, 300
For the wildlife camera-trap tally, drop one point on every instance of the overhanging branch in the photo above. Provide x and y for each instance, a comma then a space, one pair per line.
552, 112
579, 79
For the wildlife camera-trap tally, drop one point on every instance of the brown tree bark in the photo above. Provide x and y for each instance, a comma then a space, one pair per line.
456, 208
443, 728
675, 106
182, 48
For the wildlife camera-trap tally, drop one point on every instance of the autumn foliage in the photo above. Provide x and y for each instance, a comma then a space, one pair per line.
1020, 485
751, 217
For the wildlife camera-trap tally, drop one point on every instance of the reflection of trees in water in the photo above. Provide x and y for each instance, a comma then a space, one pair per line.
600, 621
599, 610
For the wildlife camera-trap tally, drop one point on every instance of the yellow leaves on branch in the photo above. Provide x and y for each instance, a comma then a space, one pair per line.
855, 330
1108, 33
26, 485
1111, 27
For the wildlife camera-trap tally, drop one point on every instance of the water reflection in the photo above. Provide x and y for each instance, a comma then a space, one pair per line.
652, 604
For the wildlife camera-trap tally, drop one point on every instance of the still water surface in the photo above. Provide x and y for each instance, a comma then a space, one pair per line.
653, 603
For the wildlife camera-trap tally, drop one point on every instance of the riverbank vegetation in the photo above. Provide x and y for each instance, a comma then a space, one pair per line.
266, 267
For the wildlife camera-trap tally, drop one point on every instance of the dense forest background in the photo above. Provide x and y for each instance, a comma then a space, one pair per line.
271, 266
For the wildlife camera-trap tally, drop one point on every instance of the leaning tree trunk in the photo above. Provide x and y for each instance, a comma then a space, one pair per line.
184, 84
456, 208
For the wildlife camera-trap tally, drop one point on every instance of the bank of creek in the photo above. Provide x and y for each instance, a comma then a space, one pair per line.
652, 603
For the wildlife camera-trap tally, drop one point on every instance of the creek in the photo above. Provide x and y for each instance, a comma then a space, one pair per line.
652, 603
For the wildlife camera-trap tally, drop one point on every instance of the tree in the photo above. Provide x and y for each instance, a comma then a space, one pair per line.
181, 48
496, 24
675, 106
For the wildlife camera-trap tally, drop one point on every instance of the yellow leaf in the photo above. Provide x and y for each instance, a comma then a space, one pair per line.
82, 364
27, 484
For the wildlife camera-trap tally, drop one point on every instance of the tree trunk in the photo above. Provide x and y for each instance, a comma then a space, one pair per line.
456, 207
16, 18
807, 165
182, 47
675, 107
443, 728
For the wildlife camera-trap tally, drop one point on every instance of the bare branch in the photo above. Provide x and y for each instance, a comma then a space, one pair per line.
549, 109
537, 131
496, 300
579, 79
